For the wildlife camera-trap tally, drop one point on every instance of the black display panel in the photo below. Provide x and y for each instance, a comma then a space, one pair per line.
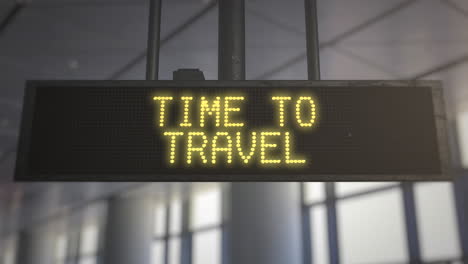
229, 131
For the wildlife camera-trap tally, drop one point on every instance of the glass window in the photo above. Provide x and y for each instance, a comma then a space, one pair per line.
9, 251
160, 220
347, 188
175, 226
314, 192
437, 224
319, 234
204, 226
174, 250
462, 127
89, 240
88, 248
205, 223
206, 208
61, 249
87, 260
157, 252
372, 228
207, 247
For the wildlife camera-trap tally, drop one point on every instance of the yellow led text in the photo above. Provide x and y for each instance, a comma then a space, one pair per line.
305, 110
162, 107
212, 130
231, 147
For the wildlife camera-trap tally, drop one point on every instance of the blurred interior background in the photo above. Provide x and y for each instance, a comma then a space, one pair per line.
182, 223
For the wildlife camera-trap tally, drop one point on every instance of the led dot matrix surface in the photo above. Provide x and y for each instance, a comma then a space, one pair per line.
249, 130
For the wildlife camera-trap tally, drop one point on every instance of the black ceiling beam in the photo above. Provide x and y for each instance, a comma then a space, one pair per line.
455, 7
85, 3
370, 22
440, 68
10, 17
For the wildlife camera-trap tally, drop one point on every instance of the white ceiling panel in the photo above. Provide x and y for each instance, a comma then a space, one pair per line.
462, 5
339, 16
339, 66
290, 14
410, 43
60, 30
426, 20
410, 59
455, 82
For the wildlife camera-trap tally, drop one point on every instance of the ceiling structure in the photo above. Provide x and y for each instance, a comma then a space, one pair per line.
106, 39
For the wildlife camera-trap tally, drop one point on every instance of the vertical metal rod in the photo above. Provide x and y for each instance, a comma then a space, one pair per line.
332, 223
312, 40
167, 229
10, 16
187, 235
411, 222
460, 184
75, 258
231, 66
313, 74
307, 243
154, 30
231, 34
225, 217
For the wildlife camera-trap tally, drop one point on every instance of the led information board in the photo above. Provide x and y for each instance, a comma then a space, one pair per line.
232, 130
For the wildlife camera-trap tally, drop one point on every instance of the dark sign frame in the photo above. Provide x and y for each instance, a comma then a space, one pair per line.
439, 119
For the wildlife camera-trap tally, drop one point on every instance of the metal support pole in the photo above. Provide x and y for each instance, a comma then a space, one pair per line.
187, 235
312, 42
167, 229
266, 214
332, 223
307, 246
231, 46
460, 185
154, 30
264, 223
129, 227
411, 222
313, 73
225, 216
